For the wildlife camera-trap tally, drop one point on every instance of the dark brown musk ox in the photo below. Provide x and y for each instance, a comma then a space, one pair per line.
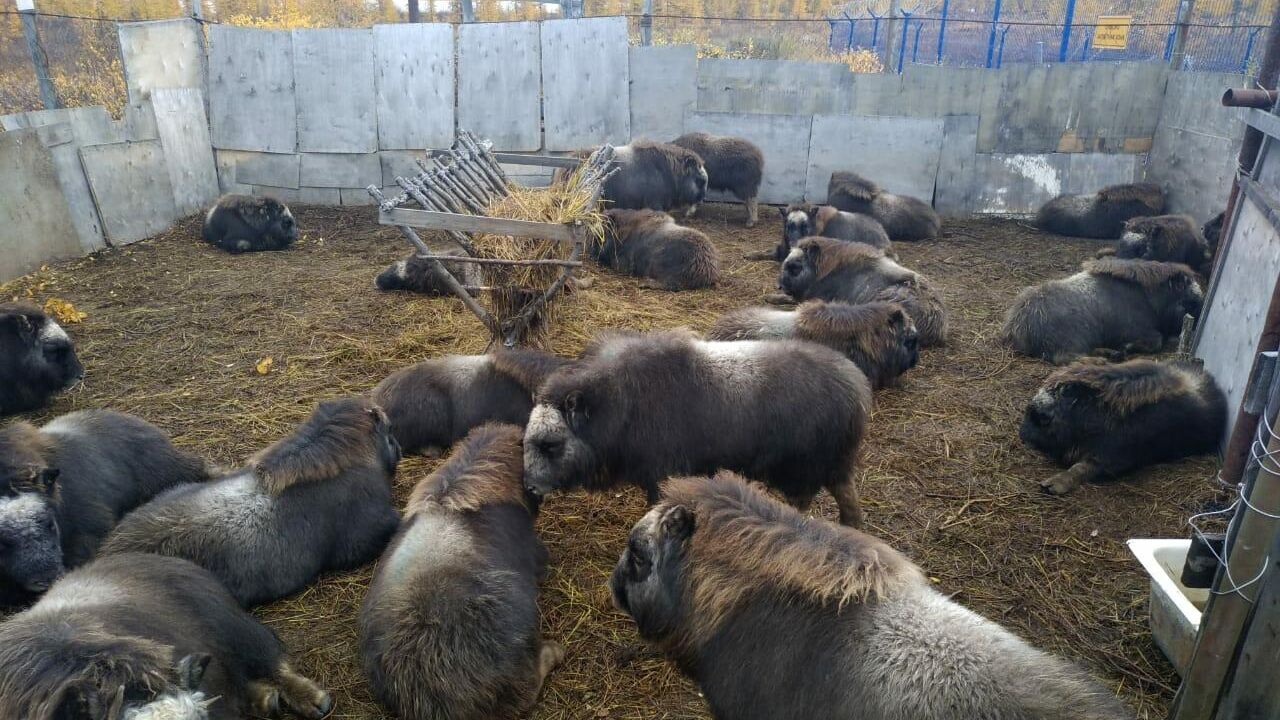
1212, 232
833, 270
433, 404
1102, 421
316, 501
639, 408
655, 176
417, 274
903, 217
1103, 214
733, 164
37, 358
64, 486
649, 244
449, 629
879, 337
1168, 238
1111, 307
146, 637
242, 223
778, 615
802, 221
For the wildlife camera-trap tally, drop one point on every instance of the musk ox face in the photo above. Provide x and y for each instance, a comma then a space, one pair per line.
388, 447
395, 277
1054, 418
693, 182
799, 271
796, 225
908, 338
1182, 297
30, 539
282, 225
555, 455
37, 358
646, 581
179, 699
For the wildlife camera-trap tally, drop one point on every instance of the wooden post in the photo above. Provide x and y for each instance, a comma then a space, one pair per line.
197, 10
1179, 51
468, 11
1251, 692
646, 23
415, 13
39, 61
891, 39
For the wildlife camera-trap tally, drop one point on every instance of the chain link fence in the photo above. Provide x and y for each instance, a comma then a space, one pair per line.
82, 56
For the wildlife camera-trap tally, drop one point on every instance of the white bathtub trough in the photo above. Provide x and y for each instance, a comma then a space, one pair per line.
1175, 608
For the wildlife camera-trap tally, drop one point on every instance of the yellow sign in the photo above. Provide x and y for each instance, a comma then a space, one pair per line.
1112, 32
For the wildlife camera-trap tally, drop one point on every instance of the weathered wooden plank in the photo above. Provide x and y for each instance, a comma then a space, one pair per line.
131, 189
271, 169
333, 71
91, 125
64, 148
664, 86
1194, 152
251, 96
415, 85
161, 53
184, 135
537, 160
953, 189
340, 170
499, 71
226, 162
899, 154
585, 80
320, 196
138, 123
783, 139
35, 226
474, 223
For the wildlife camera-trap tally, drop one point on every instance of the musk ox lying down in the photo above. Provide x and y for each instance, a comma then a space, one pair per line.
802, 221
416, 274
449, 628
879, 337
64, 486
241, 223
903, 217
1100, 215
655, 176
1102, 421
37, 358
778, 615
1212, 232
733, 164
1111, 306
318, 500
854, 273
435, 403
649, 244
640, 408
145, 637
1168, 238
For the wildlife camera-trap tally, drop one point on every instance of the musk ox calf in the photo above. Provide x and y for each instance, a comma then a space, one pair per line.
64, 486
1102, 421
640, 408
37, 358
655, 176
435, 403
1168, 238
449, 628
649, 244
733, 164
854, 273
417, 274
830, 623
879, 337
145, 637
802, 221
1103, 214
1112, 306
316, 501
903, 217
241, 223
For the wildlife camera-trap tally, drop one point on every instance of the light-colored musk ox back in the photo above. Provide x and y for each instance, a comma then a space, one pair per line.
316, 501
903, 217
1112, 306
832, 623
655, 176
733, 164
37, 358
64, 486
242, 223
649, 244
1167, 238
802, 221
879, 337
640, 408
435, 403
449, 628
1102, 214
1102, 421
833, 270
417, 274
145, 637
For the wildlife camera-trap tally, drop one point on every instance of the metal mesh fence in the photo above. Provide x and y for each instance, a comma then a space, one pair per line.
83, 58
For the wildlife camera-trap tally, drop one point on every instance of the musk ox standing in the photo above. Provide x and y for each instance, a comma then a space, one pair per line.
417, 274
655, 176
733, 164
1168, 238
318, 500
64, 486
1112, 306
37, 358
145, 637
854, 273
1102, 421
241, 223
903, 217
802, 221
649, 244
879, 337
640, 408
778, 615
435, 403
449, 628
1101, 215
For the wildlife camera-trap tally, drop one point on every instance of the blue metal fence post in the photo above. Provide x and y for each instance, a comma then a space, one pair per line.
1000, 52
1066, 31
942, 28
849, 43
902, 44
1248, 50
1168, 43
875, 31
915, 46
991, 38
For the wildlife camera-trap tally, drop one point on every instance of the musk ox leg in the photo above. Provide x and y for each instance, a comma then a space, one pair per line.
1071, 478
264, 699
550, 655
846, 495
691, 210
301, 695
779, 299
753, 212
760, 255
1152, 343
1107, 354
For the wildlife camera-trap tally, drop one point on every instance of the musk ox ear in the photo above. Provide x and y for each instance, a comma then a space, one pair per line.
1178, 282
692, 162
813, 253
191, 670
1074, 391
677, 523
17, 323
897, 317
576, 411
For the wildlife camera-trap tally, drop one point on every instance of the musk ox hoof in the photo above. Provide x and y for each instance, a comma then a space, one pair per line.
693, 210
264, 700
1060, 484
779, 299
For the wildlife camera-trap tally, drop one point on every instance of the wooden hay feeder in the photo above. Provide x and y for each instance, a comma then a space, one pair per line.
453, 192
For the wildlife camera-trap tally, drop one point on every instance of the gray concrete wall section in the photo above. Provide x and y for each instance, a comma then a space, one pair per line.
499, 72
333, 73
91, 125
251, 96
1196, 143
585, 81
328, 170
35, 222
414, 74
899, 154
952, 190
64, 148
160, 54
131, 189
273, 169
184, 135
1021, 183
783, 139
663, 89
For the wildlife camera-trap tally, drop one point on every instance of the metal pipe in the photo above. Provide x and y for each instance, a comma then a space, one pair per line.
1064, 48
991, 37
1249, 98
39, 61
902, 43
1178, 44
942, 28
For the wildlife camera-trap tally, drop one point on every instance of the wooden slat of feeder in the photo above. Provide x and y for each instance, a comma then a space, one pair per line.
501, 261
475, 224
538, 160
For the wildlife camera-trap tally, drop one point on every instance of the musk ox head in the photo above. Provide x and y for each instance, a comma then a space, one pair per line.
37, 358
556, 455
395, 277
1058, 417
30, 539
904, 328
646, 583
799, 270
692, 180
797, 224
277, 223
171, 695
1212, 230
1178, 296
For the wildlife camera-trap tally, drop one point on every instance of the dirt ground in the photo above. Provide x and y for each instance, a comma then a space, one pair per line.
175, 329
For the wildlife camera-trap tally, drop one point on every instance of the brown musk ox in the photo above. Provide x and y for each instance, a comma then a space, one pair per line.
778, 615
903, 217
449, 628
37, 358
1112, 306
649, 244
1102, 421
1167, 238
802, 221
639, 408
418, 274
316, 501
1212, 232
879, 337
243, 223
146, 637
1102, 214
655, 176
733, 164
